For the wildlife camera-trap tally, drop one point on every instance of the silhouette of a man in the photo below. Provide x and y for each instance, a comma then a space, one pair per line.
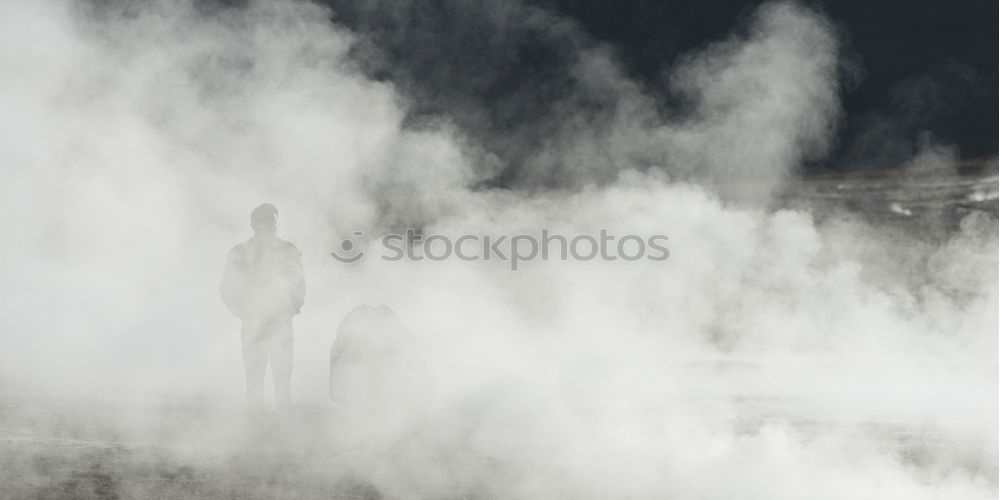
264, 285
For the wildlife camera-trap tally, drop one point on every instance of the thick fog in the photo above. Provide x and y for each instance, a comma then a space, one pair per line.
137, 137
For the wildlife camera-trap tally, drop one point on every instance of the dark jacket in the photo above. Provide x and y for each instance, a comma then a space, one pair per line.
263, 279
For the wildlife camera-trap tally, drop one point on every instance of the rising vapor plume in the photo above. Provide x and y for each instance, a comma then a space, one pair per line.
778, 353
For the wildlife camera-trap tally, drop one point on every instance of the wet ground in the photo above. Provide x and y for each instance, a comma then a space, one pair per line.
914, 196
179, 449
194, 449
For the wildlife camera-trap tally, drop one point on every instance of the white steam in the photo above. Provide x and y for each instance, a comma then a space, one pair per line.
136, 140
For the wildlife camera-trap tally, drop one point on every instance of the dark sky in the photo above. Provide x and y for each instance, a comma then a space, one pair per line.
498, 69
900, 44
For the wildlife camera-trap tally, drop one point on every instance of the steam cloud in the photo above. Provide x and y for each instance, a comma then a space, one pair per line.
137, 137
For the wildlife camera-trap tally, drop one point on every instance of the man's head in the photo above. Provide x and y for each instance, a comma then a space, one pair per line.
264, 220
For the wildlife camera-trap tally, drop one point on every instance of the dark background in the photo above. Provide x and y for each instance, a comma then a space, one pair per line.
912, 69
944, 51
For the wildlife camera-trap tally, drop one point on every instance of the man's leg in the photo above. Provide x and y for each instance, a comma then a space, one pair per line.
281, 363
254, 362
